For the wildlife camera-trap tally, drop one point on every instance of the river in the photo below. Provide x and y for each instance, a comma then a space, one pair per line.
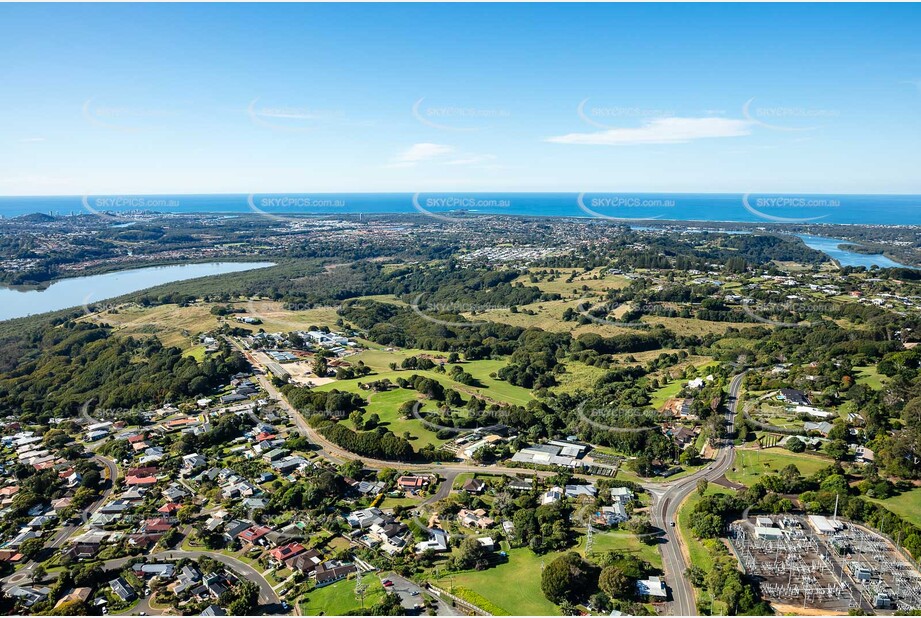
79, 291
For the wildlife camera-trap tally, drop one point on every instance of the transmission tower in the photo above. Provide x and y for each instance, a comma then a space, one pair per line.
360, 589
589, 541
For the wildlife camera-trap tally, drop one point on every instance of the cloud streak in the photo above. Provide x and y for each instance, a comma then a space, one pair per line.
660, 131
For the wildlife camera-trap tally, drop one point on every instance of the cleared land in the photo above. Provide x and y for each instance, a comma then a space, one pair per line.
523, 567
751, 465
339, 598
906, 505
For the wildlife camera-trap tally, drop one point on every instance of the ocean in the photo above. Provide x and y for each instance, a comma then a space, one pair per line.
751, 208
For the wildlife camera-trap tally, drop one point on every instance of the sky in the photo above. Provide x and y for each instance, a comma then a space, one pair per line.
242, 98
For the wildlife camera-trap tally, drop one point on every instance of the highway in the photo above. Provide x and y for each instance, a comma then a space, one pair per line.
667, 499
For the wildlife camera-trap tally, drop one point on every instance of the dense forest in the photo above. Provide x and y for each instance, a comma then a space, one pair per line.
85, 365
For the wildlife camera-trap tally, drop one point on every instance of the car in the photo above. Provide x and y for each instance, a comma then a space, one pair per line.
387, 582
672, 524
414, 593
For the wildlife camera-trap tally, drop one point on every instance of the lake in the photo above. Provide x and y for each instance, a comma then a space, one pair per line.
829, 246
79, 291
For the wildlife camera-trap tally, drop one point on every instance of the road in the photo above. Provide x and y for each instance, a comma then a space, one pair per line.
667, 497
337, 454
405, 589
267, 596
65, 532
667, 500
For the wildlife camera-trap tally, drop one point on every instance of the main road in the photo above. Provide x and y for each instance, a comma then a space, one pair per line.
667, 499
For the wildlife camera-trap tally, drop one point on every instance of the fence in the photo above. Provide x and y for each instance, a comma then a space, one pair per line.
459, 601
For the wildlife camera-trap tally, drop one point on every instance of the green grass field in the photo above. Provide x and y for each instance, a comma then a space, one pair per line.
750, 465
906, 505
387, 404
514, 586
870, 376
660, 396
339, 598
524, 596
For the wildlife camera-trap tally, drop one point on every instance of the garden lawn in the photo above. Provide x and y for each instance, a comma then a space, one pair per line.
514, 586
623, 542
870, 376
906, 505
751, 465
339, 598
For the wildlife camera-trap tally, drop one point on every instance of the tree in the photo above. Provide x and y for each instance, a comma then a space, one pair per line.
38, 574
795, 445
706, 525
569, 578
615, 583
31, 547
836, 449
352, 468
471, 555
689, 456
186, 513
702, 485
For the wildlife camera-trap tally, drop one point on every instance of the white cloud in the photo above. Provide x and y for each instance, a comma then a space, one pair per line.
417, 153
661, 131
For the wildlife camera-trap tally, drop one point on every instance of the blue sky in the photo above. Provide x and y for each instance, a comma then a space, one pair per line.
112, 99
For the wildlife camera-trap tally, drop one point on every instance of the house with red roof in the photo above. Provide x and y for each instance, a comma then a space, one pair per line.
412, 482
286, 552
169, 508
143, 481
153, 526
253, 534
143, 471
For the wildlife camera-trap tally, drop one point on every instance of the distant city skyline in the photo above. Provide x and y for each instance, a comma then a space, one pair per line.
235, 99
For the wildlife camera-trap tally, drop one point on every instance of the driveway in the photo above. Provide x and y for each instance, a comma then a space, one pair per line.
405, 589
